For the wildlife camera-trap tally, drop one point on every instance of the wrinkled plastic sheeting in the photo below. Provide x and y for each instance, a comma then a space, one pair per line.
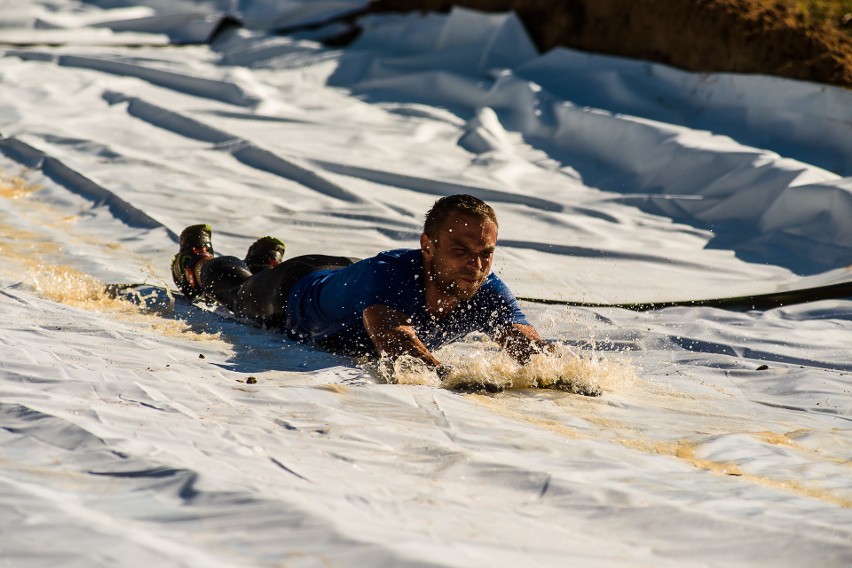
467, 40
286, 14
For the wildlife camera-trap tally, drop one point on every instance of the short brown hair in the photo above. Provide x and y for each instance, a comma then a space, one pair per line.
461, 203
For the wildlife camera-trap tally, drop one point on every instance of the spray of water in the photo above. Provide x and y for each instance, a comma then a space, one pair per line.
483, 367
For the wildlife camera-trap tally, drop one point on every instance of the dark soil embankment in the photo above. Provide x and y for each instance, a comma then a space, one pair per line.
742, 36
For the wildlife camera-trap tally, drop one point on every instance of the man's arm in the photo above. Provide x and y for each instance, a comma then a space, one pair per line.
392, 333
520, 341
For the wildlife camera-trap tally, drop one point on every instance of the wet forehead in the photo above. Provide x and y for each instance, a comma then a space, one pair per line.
469, 231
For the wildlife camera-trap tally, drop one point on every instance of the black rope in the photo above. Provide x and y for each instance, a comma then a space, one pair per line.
756, 302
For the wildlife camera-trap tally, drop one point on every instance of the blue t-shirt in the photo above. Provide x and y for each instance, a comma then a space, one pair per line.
326, 306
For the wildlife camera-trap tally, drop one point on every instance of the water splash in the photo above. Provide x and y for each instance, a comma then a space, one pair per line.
480, 366
69, 286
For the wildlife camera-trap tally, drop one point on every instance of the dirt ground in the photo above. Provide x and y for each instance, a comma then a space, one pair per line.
743, 36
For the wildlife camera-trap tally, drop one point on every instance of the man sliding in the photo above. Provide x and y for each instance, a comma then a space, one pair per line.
399, 302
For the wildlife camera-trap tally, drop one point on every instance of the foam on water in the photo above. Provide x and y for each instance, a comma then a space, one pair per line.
483, 366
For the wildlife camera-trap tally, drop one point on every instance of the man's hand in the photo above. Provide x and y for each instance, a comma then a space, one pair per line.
521, 341
392, 333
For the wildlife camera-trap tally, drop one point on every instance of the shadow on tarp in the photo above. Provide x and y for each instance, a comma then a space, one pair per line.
256, 349
755, 110
745, 238
79, 184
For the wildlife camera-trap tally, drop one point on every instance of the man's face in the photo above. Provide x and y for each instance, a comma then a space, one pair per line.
459, 260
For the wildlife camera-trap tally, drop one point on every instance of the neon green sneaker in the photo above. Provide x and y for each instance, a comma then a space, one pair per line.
195, 244
265, 252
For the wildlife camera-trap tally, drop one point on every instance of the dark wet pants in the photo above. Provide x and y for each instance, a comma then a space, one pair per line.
261, 297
